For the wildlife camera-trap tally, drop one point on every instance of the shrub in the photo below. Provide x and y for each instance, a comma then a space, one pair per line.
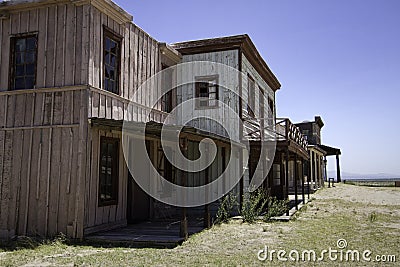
253, 205
227, 206
276, 207
372, 217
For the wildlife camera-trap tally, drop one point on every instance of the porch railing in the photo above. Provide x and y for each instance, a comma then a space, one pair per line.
286, 130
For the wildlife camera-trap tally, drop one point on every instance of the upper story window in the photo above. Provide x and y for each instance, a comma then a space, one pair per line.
111, 61
207, 91
23, 62
271, 106
167, 100
251, 92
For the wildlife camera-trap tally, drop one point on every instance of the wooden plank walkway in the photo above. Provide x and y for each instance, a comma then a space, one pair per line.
146, 234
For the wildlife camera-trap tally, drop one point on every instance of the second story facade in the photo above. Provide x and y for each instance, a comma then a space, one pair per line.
244, 82
87, 51
312, 130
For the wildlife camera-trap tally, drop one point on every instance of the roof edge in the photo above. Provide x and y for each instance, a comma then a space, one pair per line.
242, 42
108, 7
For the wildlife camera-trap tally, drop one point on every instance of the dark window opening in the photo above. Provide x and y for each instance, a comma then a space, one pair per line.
108, 180
23, 62
167, 100
111, 62
207, 91
271, 107
251, 88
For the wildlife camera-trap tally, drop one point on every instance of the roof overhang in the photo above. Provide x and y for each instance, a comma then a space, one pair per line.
171, 54
154, 129
330, 151
106, 6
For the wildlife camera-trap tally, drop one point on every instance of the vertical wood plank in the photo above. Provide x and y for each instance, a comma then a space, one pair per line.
19, 109
42, 48
135, 61
85, 45
54, 181
6, 194
2, 87
93, 193
2, 150
91, 46
24, 193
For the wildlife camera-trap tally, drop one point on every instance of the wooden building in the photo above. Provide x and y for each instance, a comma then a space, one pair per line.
254, 88
69, 70
318, 152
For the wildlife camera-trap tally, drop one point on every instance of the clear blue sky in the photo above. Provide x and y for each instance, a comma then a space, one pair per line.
339, 59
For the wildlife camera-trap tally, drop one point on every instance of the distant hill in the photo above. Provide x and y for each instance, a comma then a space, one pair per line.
348, 175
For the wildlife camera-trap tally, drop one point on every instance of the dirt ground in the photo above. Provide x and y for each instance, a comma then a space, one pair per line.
362, 194
367, 218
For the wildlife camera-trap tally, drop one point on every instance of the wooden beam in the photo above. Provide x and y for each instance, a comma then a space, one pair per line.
302, 181
183, 224
207, 221
287, 178
296, 173
308, 177
338, 177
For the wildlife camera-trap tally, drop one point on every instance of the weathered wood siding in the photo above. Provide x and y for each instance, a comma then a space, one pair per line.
260, 83
43, 131
63, 44
42, 135
96, 215
140, 59
187, 91
248, 69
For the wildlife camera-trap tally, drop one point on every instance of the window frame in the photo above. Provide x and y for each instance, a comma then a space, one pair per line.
109, 33
207, 79
114, 171
12, 65
251, 96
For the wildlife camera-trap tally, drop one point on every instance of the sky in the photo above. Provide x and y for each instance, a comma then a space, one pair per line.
339, 59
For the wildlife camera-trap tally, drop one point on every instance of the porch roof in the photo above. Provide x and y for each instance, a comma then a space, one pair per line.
330, 151
154, 128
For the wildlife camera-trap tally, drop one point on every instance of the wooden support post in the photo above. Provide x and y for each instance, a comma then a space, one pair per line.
325, 168
296, 176
206, 219
287, 179
184, 224
318, 171
338, 178
302, 181
313, 181
308, 177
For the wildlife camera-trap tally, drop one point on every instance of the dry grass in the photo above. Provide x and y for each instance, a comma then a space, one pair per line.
341, 212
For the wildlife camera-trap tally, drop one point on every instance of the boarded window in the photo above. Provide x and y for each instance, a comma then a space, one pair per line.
23, 62
111, 61
207, 91
251, 88
108, 180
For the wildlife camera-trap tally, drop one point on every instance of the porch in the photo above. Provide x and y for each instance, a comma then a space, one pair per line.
289, 178
160, 234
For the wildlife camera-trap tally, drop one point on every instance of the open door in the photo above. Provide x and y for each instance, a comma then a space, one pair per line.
138, 201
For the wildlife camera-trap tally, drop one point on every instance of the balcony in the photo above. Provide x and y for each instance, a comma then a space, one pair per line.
288, 134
